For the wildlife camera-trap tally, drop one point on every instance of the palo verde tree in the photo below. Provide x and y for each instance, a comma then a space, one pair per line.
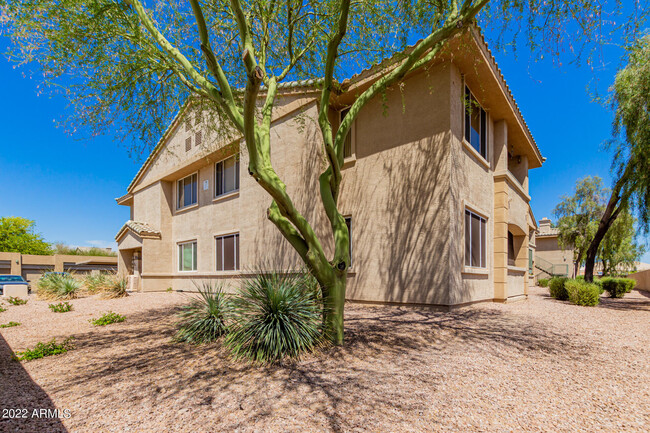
127, 65
619, 250
578, 217
17, 235
631, 165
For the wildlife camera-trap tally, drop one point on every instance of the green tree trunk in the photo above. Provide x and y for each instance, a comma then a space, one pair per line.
334, 304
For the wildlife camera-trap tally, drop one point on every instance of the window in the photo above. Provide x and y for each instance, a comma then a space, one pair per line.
530, 261
227, 248
511, 249
187, 191
348, 222
198, 138
188, 144
226, 176
187, 256
475, 245
475, 124
347, 144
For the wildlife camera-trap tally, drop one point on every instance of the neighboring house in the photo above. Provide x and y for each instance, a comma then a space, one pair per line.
435, 190
107, 250
550, 258
31, 267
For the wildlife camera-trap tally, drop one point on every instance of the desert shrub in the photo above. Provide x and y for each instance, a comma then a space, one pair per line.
95, 283
556, 288
599, 283
630, 284
204, 319
45, 349
542, 282
2, 309
116, 288
16, 301
617, 287
276, 315
61, 307
582, 293
580, 278
107, 319
10, 325
58, 286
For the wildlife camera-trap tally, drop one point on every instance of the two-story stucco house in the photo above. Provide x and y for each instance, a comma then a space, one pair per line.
435, 188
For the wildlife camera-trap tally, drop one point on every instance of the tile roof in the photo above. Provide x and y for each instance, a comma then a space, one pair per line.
141, 229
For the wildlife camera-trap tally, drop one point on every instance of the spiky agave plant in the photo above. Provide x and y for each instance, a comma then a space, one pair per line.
68, 287
116, 287
276, 315
204, 320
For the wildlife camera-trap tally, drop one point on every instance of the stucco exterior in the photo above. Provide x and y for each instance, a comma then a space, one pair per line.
406, 187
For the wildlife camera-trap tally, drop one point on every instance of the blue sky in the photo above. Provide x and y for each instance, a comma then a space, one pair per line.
68, 186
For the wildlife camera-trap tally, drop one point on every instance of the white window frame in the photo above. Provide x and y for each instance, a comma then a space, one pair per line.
178, 207
486, 158
481, 246
237, 178
236, 252
195, 254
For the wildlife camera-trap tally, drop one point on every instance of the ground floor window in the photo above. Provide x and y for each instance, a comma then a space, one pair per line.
348, 222
511, 249
475, 245
530, 261
187, 256
227, 248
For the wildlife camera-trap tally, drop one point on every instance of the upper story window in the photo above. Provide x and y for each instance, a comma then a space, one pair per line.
475, 245
227, 252
475, 124
226, 176
348, 144
187, 256
187, 191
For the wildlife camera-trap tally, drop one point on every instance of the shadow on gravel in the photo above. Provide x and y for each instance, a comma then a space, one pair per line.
152, 369
18, 392
636, 300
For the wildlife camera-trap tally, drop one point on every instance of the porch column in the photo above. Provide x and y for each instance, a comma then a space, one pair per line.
500, 216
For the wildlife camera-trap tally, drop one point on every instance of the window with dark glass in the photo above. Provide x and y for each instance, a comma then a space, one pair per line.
347, 144
187, 191
187, 256
227, 249
226, 176
348, 222
511, 249
475, 124
475, 245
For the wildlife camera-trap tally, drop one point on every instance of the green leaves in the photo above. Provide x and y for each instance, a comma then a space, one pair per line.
204, 319
276, 315
17, 236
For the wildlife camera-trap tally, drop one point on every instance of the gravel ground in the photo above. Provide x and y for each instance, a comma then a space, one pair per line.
536, 365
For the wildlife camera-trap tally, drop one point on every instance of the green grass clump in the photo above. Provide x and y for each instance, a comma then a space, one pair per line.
61, 307
95, 283
116, 288
16, 301
204, 319
58, 286
276, 315
556, 288
10, 325
45, 349
107, 319
542, 282
2, 309
583, 293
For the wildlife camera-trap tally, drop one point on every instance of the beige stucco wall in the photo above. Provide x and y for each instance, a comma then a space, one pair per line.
549, 250
642, 280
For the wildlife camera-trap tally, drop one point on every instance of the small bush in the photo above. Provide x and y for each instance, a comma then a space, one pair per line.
10, 325
58, 286
61, 307
116, 288
582, 293
45, 349
204, 319
542, 282
276, 315
95, 283
630, 284
107, 319
2, 309
556, 288
16, 301
617, 287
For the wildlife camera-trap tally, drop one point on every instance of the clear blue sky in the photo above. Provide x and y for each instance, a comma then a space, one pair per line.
68, 186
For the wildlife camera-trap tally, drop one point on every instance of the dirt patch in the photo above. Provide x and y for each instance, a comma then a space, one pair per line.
537, 365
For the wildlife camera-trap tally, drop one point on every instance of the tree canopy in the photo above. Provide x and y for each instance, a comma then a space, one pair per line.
619, 249
17, 235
